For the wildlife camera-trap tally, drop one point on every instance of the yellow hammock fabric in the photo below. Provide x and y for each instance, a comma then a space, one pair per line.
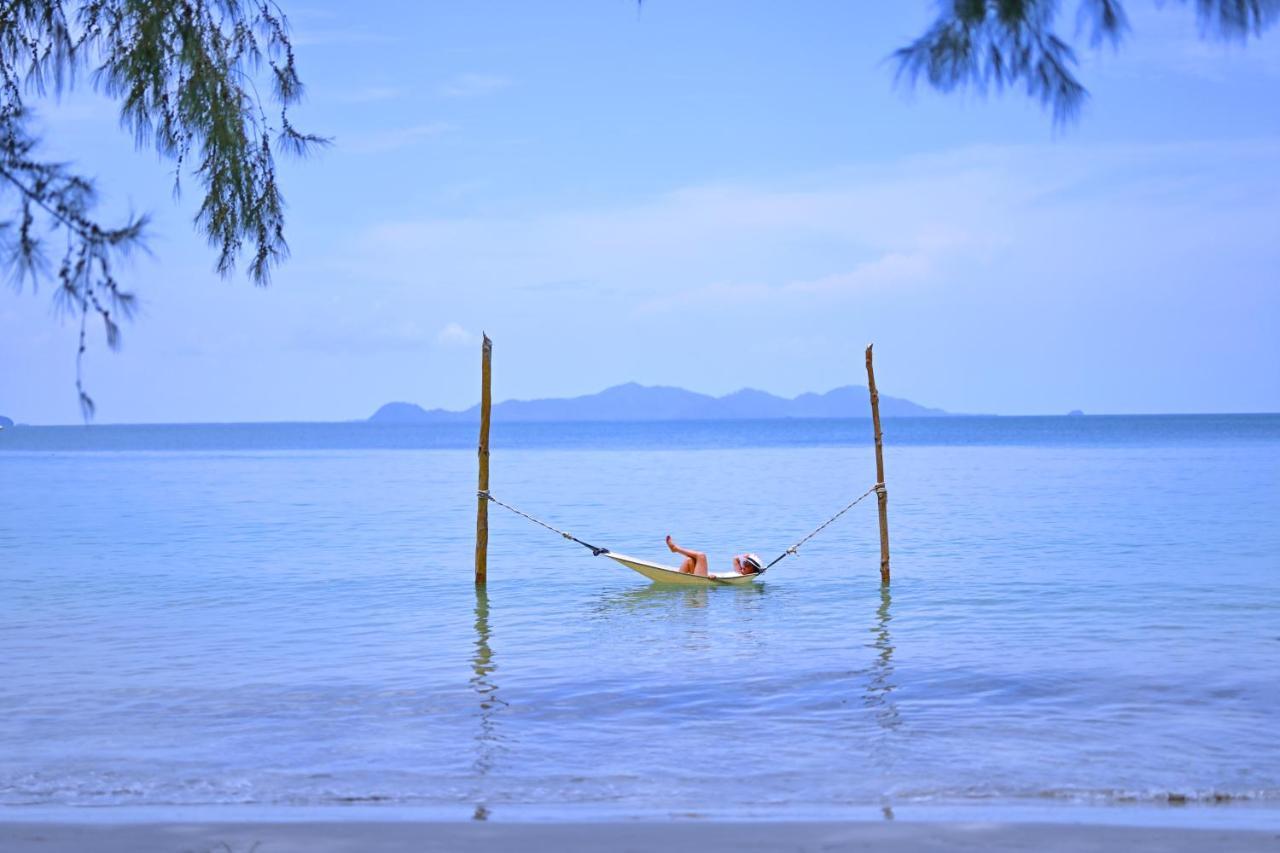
659, 573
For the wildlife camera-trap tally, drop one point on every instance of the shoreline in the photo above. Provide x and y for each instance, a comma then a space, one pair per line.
1244, 815
668, 837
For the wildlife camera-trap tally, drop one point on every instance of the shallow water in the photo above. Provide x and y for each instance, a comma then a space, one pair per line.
1083, 610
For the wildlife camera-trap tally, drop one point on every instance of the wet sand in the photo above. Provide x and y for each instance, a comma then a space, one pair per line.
795, 837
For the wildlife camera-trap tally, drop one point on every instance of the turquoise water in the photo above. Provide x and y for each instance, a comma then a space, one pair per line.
1084, 611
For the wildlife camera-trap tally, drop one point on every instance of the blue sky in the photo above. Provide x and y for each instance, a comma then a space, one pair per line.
713, 195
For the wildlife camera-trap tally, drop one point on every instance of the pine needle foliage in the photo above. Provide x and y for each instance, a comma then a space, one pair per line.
994, 44
186, 74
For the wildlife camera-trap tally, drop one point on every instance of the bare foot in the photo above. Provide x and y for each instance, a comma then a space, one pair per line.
671, 544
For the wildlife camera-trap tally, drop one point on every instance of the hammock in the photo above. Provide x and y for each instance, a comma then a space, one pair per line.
659, 573
665, 574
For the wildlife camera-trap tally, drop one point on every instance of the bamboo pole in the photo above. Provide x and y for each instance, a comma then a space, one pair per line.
482, 502
882, 497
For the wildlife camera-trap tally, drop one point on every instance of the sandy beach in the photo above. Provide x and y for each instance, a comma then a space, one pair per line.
795, 837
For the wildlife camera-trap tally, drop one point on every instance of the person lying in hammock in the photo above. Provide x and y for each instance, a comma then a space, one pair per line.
695, 562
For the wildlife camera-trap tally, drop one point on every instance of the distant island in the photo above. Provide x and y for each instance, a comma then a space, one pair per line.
5, 423
634, 402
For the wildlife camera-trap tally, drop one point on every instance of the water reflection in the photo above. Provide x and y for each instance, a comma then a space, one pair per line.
488, 738
879, 698
880, 687
702, 619
654, 596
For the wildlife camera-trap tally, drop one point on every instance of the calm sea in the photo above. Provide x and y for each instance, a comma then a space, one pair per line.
1084, 612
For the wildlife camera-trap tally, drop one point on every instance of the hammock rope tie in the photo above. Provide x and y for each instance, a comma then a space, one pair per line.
878, 488
595, 550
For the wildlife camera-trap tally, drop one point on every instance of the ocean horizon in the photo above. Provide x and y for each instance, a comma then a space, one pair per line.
620, 433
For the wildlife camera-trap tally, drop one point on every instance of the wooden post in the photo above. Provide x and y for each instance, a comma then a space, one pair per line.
882, 497
482, 503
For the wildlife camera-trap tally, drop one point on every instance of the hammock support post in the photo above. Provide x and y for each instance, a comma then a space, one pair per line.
482, 452
882, 497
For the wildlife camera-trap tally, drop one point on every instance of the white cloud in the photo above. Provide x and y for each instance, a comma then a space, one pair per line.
985, 251
389, 140
453, 335
472, 85
816, 239
344, 37
892, 269
370, 94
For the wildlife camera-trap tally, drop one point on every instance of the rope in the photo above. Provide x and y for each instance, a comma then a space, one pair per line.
595, 551
878, 487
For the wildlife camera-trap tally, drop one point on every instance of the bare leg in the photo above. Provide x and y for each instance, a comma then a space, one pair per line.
695, 561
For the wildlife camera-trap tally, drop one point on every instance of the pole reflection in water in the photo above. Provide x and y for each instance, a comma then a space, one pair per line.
879, 696
488, 740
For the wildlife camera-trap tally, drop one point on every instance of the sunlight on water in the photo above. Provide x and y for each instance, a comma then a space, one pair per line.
1071, 620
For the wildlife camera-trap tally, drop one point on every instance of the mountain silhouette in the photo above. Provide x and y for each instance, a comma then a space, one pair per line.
635, 402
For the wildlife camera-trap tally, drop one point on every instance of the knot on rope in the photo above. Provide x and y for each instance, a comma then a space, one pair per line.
484, 495
596, 552
793, 549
